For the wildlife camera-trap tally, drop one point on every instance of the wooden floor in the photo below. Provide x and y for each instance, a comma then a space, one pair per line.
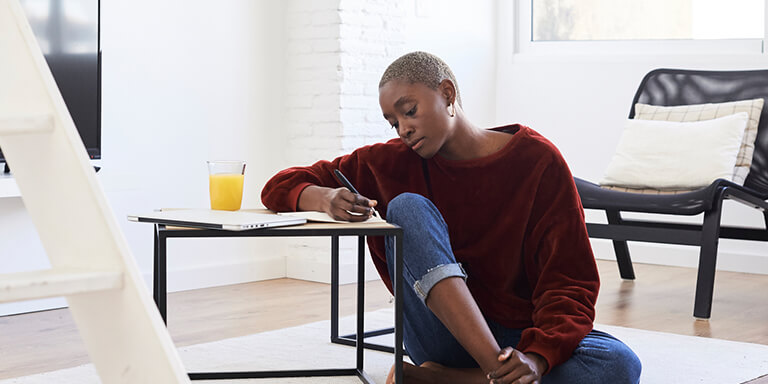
660, 299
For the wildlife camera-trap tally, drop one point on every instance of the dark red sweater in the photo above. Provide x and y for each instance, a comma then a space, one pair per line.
515, 221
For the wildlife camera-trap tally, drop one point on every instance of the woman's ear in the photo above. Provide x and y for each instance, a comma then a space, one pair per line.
448, 91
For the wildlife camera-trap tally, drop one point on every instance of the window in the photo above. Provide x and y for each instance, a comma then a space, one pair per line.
706, 26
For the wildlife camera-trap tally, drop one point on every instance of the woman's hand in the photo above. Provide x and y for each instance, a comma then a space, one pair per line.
339, 203
348, 206
518, 367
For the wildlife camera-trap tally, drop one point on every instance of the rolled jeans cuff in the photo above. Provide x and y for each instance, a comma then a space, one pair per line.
435, 275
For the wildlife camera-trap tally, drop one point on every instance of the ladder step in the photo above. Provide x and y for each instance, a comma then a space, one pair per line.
8, 187
26, 124
57, 282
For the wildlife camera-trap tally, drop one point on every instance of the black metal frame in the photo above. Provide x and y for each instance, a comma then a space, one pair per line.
162, 234
706, 236
352, 339
679, 87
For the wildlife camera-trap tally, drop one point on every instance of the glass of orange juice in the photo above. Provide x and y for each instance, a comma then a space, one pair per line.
225, 181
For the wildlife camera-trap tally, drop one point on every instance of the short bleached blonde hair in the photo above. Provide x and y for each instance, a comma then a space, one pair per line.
420, 68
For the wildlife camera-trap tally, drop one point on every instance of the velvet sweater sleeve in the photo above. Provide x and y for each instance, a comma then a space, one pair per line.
282, 191
562, 267
379, 171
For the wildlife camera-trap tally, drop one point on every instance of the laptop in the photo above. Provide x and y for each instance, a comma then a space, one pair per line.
211, 219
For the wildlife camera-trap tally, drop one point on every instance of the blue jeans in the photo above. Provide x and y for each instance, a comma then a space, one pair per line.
428, 258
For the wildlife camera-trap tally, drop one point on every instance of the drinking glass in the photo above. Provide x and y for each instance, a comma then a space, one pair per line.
225, 182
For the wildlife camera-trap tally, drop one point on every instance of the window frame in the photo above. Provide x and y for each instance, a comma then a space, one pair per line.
523, 44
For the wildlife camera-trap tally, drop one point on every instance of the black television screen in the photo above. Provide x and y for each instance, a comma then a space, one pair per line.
68, 34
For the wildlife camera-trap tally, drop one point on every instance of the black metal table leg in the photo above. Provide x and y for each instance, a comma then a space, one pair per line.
360, 301
160, 277
334, 289
397, 285
155, 271
352, 338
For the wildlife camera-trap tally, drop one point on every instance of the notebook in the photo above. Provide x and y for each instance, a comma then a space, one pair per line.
323, 217
207, 218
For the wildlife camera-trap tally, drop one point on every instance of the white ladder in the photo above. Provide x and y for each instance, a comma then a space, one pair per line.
91, 263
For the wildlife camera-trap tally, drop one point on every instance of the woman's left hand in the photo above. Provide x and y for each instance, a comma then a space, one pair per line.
518, 367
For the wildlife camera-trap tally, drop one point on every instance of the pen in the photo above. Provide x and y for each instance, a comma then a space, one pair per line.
343, 180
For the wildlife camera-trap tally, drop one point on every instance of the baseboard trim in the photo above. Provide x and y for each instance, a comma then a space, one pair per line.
214, 275
318, 269
683, 256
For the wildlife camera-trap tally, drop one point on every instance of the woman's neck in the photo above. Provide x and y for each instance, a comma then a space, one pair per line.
470, 142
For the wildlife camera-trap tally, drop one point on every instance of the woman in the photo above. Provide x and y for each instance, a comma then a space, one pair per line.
495, 252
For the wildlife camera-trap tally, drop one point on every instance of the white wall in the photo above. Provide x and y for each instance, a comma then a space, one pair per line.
463, 33
183, 82
580, 103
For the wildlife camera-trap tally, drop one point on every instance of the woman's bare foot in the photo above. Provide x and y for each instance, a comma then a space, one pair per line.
430, 373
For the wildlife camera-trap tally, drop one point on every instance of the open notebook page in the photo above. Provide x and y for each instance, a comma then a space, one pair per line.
325, 218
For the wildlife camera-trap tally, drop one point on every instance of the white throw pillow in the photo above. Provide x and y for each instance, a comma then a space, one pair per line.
699, 112
673, 155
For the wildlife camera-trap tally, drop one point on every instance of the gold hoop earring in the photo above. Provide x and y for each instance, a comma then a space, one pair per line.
453, 110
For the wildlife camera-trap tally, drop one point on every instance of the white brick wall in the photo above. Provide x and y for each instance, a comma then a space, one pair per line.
336, 52
371, 37
311, 80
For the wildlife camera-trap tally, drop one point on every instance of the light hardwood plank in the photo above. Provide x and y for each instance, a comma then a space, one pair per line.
661, 299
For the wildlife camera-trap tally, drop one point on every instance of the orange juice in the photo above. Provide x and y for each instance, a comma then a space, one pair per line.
226, 191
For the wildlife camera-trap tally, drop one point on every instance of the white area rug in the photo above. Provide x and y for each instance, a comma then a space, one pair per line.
666, 358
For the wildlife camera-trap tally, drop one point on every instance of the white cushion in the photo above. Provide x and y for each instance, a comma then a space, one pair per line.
675, 155
698, 112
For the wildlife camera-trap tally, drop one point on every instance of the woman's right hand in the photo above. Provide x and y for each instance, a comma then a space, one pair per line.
339, 203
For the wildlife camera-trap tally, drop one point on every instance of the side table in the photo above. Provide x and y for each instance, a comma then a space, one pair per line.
332, 230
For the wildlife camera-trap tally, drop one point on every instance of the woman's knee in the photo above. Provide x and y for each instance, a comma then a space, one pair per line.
417, 216
624, 364
407, 206
600, 358
426, 242
619, 364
